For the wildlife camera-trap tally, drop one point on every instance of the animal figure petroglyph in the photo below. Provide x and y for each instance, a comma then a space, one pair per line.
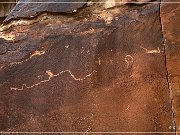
50, 76
151, 51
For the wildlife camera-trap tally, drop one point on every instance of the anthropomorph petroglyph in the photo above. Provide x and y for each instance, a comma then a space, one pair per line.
129, 60
50, 76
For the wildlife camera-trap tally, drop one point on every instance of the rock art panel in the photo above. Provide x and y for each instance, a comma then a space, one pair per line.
86, 75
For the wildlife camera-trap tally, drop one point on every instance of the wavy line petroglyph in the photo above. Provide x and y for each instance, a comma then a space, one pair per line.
50, 76
151, 51
129, 60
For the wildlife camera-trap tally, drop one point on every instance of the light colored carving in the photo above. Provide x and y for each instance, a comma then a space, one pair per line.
129, 60
151, 51
50, 76
35, 53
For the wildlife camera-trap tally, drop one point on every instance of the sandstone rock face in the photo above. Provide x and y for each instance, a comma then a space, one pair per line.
31, 8
170, 21
96, 72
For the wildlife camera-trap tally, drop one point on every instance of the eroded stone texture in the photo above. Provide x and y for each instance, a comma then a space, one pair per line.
89, 74
170, 21
28, 8
5, 7
1, 20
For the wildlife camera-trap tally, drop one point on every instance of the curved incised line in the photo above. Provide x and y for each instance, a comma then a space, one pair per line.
51, 75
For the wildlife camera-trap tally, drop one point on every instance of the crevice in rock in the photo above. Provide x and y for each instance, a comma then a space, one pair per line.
167, 74
6, 51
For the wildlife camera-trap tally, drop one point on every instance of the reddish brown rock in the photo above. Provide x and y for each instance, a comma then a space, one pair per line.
99, 73
170, 22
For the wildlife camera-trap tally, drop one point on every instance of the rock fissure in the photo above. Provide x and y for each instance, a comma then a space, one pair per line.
50, 76
6, 51
167, 74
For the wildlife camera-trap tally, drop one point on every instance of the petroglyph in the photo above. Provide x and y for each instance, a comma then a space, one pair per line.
82, 49
129, 60
151, 51
66, 46
127, 108
50, 76
99, 61
35, 53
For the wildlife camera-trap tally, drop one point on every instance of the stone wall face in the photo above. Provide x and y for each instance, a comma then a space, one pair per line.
102, 71
170, 23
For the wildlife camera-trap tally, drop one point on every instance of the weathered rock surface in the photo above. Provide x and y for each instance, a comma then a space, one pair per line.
1, 20
32, 8
103, 72
5, 7
170, 21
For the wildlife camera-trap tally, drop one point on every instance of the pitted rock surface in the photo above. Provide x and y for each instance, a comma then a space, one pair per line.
100, 73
